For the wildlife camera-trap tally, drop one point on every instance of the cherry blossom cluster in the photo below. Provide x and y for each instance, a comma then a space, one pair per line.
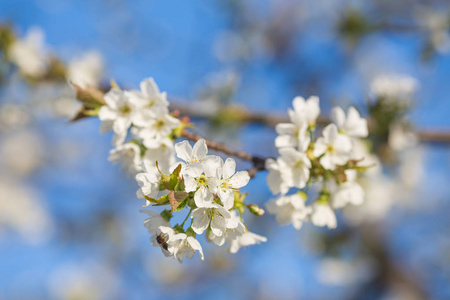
329, 162
209, 187
144, 135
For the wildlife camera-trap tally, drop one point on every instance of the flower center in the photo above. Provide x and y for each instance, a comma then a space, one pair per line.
331, 149
202, 180
160, 123
125, 110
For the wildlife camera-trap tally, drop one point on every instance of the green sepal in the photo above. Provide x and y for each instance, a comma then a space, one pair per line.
324, 197
166, 214
303, 195
178, 228
191, 232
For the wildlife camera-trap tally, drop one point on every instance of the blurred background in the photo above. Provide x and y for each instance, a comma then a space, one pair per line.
70, 226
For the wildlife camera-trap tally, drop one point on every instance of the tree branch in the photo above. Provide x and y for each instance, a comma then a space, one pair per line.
243, 115
257, 161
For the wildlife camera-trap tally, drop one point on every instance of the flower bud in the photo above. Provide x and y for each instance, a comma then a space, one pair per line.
255, 209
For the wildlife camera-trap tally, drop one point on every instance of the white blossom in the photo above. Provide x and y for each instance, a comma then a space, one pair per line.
158, 128
128, 154
164, 154
191, 155
352, 124
234, 229
289, 210
295, 167
185, 246
246, 239
335, 147
165, 239
274, 179
150, 101
303, 111
215, 216
203, 179
116, 115
323, 215
303, 116
292, 135
148, 182
230, 181
154, 221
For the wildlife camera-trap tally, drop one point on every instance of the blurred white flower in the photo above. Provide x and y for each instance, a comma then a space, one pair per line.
83, 280
437, 23
21, 210
352, 124
394, 87
334, 271
12, 116
323, 215
348, 192
29, 54
401, 138
128, 154
86, 70
15, 154
289, 210
246, 239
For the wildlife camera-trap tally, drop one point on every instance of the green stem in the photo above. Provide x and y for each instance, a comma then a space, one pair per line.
187, 217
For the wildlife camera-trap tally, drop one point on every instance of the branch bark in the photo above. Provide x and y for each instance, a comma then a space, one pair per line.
259, 163
271, 119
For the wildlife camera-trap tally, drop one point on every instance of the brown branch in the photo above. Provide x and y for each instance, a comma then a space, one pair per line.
271, 119
257, 161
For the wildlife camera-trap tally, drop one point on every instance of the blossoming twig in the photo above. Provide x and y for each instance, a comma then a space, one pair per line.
271, 119
258, 162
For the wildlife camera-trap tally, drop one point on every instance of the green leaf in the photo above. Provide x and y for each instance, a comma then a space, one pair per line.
164, 200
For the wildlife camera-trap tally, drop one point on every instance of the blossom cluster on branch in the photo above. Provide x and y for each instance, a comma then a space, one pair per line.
328, 161
207, 187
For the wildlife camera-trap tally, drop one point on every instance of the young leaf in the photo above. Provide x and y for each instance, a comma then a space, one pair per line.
176, 199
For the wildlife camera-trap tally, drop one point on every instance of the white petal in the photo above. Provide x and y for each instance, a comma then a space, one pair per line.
203, 197
285, 128
201, 220
149, 88
200, 149
184, 151
229, 167
338, 116
239, 179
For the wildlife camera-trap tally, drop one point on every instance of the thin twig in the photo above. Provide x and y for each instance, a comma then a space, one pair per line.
257, 161
271, 119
